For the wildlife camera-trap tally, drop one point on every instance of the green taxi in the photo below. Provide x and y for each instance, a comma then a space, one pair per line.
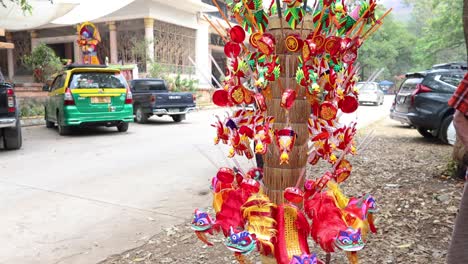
88, 96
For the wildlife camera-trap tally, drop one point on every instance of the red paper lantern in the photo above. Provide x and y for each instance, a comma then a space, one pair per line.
236, 94
260, 101
225, 175
349, 104
333, 45
237, 34
309, 49
254, 38
266, 44
220, 98
343, 171
293, 195
328, 111
232, 50
250, 185
288, 98
293, 42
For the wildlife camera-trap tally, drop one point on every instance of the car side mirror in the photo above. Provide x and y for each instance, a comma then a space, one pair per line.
45, 88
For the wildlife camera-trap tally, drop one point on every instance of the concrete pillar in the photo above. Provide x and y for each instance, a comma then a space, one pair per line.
113, 42
10, 59
77, 55
34, 40
149, 37
202, 55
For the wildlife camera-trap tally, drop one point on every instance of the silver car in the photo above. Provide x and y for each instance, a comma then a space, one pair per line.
371, 93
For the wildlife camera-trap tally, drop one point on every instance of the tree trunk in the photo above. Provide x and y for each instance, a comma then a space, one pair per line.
465, 22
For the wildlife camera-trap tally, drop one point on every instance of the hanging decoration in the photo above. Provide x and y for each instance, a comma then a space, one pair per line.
295, 62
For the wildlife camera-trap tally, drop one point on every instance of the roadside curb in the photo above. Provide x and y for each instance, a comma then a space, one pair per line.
36, 121
207, 107
39, 121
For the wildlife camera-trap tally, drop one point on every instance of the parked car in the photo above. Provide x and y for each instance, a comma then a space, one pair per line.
10, 126
422, 100
371, 93
88, 95
152, 97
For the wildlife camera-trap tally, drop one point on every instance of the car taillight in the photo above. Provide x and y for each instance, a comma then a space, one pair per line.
153, 98
194, 98
11, 100
129, 97
419, 89
68, 98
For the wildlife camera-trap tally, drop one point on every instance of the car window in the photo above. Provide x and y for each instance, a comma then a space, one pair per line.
445, 83
410, 85
149, 85
366, 87
58, 82
84, 80
453, 79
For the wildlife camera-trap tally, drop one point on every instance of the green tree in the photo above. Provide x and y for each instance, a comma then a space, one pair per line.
24, 4
43, 62
391, 48
438, 27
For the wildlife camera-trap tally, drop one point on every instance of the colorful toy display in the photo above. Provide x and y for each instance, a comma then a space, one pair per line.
88, 39
296, 63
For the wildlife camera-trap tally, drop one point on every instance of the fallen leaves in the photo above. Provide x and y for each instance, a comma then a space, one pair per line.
405, 173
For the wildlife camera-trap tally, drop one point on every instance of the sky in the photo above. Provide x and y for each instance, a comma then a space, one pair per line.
399, 9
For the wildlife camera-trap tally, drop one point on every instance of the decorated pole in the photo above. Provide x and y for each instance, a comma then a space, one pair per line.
299, 70
277, 176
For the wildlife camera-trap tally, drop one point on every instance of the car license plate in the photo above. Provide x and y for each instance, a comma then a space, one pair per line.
174, 110
100, 100
174, 97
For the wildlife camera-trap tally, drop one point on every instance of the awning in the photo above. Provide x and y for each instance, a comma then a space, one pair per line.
189, 5
13, 18
89, 10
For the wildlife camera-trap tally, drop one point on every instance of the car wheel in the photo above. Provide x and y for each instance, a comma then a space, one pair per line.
63, 130
178, 118
444, 128
140, 117
12, 138
122, 127
425, 132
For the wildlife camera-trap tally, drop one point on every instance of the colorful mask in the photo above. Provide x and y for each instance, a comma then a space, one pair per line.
350, 240
304, 259
201, 221
240, 242
202, 224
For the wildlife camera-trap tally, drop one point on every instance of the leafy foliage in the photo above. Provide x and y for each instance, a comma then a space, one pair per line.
433, 34
43, 62
391, 48
438, 26
24, 4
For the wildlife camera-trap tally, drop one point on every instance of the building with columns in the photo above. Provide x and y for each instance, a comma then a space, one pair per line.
173, 32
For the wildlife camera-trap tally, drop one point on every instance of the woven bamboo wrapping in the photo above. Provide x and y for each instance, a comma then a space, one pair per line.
278, 177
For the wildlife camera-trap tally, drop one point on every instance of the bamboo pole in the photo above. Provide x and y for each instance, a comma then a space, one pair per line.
279, 177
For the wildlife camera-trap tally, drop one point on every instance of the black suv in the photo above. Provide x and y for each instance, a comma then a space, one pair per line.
422, 100
10, 127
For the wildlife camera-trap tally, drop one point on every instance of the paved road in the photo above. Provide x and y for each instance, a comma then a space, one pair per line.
80, 198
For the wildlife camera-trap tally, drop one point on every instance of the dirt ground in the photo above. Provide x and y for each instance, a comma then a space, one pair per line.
406, 173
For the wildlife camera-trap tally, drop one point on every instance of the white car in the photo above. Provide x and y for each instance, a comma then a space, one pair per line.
371, 93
